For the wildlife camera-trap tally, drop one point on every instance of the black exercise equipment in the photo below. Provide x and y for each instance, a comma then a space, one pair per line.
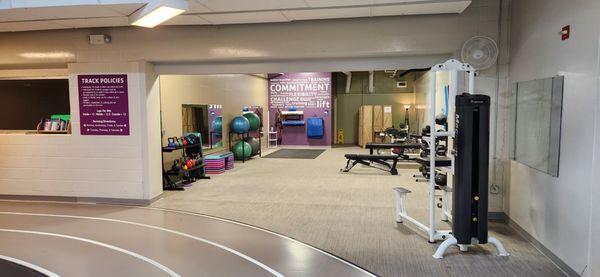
396, 134
401, 147
441, 150
368, 160
426, 131
470, 197
193, 149
441, 119
424, 171
439, 161
441, 179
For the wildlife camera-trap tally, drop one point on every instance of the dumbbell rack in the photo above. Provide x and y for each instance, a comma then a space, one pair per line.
168, 183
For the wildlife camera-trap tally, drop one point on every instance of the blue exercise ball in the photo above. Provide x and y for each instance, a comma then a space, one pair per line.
239, 125
217, 124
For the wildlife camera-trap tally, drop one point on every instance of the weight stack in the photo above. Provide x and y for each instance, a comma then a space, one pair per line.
470, 192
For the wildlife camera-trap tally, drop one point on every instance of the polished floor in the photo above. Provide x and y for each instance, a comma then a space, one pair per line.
102, 240
267, 217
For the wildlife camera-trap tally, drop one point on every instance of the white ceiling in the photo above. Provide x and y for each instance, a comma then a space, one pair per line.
24, 15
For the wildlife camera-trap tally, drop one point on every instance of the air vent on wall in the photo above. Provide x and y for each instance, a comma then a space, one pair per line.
401, 84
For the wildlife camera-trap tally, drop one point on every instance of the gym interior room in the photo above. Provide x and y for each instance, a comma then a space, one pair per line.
300, 138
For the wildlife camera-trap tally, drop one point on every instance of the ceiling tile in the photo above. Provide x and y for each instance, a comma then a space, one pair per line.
94, 22
45, 3
30, 26
186, 20
125, 9
327, 13
252, 5
18, 15
337, 3
425, 8
74, 12
196, 7
245, 17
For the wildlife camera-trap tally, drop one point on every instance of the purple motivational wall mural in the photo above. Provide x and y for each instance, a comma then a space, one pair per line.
103, 104
308, 92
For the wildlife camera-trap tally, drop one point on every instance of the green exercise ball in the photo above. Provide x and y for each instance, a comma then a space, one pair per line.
242, 150
254, 144
254, 120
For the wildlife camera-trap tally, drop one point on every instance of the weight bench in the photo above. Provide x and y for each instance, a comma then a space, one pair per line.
403, 146
364, 159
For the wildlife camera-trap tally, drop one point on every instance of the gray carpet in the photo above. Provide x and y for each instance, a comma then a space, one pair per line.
350, 215
295, 154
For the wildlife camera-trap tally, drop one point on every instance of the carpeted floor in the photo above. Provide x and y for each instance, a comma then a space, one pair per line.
350, 215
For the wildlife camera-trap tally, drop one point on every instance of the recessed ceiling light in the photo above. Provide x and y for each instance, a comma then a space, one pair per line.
157, 12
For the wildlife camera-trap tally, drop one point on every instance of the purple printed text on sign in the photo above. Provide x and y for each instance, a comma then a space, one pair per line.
103, 104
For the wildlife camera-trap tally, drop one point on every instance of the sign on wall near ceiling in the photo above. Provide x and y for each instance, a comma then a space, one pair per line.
103, 104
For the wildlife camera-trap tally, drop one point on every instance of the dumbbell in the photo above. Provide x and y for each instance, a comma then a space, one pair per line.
441, 150
441, 119
171, 143
424, 170
426, 131
441, 179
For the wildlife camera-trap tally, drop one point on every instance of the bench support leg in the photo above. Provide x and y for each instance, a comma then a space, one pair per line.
400, 198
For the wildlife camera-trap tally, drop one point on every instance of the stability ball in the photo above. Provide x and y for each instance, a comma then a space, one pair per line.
254, 120
254, 144
239, 125
242, 150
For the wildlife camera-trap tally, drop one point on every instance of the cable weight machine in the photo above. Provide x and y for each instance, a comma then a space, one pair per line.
469, 167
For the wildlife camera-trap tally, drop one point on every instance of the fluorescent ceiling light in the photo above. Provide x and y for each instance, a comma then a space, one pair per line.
157, 12
47, 55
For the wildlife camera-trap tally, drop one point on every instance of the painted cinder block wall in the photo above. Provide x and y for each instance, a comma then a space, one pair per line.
562, 213
89, 166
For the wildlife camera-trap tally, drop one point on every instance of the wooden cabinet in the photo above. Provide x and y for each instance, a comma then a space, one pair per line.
372, 119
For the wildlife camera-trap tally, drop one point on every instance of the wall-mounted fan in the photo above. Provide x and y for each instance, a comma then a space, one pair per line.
480, 52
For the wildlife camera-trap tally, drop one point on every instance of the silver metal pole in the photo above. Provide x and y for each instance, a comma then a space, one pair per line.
472, 82
432, 137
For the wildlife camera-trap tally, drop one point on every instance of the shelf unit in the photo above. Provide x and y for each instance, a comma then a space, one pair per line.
293, 118
272, 139
242, 136
168, 183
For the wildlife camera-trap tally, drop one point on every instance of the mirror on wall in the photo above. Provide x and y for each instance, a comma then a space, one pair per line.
206, 120
536, 123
